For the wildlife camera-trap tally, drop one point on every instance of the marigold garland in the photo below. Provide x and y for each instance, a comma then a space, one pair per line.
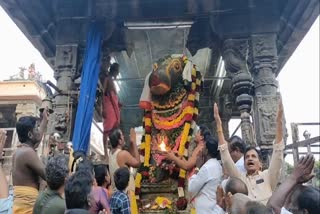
138, 180
172, 103
147, 150
161, 124
184, 138
187, 117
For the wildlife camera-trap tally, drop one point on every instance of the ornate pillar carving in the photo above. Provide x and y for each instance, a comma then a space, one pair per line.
264, 60
65, 71
235, 53
225, 106
264, 66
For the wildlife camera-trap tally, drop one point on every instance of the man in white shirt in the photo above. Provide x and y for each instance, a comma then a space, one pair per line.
236, 149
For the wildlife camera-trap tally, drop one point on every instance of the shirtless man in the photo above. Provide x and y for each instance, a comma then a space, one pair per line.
122, 158
27, 167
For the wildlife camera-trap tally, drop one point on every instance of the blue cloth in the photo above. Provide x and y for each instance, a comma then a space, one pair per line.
88, 87
6, 205
119, 203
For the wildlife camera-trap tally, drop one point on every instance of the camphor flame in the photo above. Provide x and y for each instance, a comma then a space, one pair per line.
162, 146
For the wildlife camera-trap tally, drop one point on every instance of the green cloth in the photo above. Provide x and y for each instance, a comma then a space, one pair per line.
49, 202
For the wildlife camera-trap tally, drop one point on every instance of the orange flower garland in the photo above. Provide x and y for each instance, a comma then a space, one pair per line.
187, 117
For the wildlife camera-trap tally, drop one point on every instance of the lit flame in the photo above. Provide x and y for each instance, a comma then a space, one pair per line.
163, 146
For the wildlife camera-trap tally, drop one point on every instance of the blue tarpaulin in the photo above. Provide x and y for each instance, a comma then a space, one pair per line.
88, 87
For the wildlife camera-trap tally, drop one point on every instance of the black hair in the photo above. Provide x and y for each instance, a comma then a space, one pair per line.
114, 137
77, 190
121, 178
85, 165
235, 185
237, 143
204, 131
56, 171
24, 126
101, 171
309, 199
211, 142
249, 148
114, 67
254, 207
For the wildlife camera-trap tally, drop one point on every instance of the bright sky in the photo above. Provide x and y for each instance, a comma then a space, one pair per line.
16, 51
299, 79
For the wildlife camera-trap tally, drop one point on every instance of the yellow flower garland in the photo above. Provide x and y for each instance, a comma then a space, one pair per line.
142, 145
147, 150
187, 110
138, 180
148, 122
184, 138
173, 103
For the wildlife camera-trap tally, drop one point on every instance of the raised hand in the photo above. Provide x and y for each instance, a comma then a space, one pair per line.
218, 124
133, 135
280, 111
221, 198
216, 115
199, 148
228, 201
302, 172
169, 155
279, 126
45, 114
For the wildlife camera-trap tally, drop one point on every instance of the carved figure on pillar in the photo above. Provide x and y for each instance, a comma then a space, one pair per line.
235, 54
266, 110
264, 61
65, 71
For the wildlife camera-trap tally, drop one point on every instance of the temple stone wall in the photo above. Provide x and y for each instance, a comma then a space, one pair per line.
17, 99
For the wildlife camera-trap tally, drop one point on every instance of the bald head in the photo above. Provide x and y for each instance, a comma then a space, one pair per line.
239, 202
254, 207
235, 185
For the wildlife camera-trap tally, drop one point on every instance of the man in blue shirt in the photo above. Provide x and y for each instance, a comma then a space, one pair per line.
119, 203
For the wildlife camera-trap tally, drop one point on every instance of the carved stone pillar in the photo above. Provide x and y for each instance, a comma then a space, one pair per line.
225, 107
235, 53
264, 66
205, 116
65, 70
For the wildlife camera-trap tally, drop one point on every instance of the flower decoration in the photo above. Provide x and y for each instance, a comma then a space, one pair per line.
176, 113
182, 203
163, 202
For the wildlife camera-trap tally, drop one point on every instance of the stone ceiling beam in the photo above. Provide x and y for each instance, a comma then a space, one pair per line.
294, 25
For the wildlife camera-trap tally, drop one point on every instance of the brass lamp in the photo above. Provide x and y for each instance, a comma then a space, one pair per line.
46, 104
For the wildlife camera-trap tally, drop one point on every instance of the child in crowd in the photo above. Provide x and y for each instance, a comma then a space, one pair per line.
119, 203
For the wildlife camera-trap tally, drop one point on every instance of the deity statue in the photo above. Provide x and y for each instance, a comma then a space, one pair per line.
170, 101
32, 71
21, 72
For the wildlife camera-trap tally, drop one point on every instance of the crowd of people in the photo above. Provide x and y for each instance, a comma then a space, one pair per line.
226, 176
